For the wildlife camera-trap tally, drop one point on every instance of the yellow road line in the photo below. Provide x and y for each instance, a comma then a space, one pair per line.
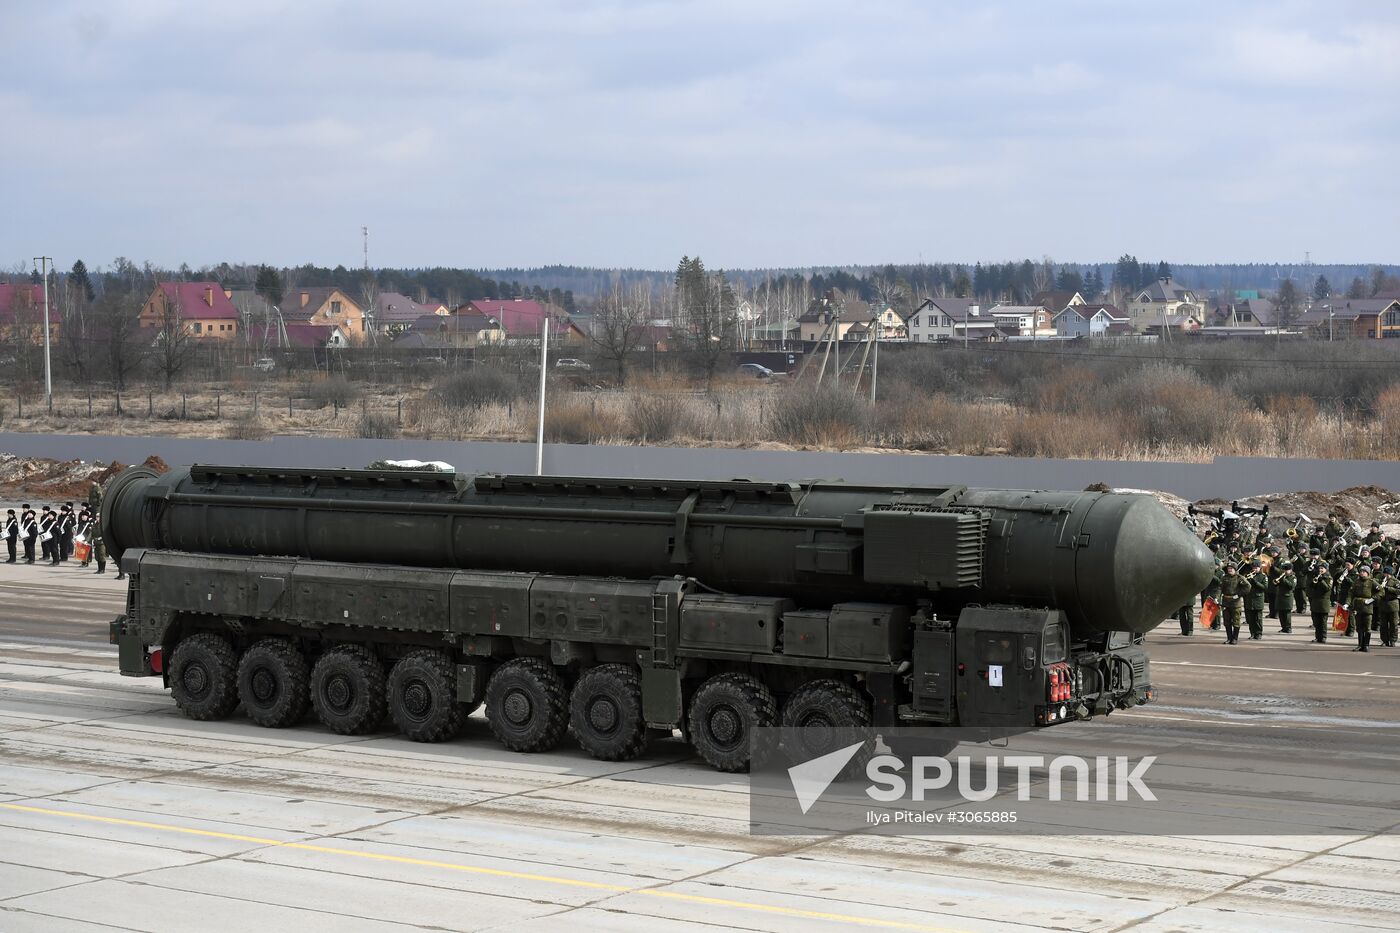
492, 872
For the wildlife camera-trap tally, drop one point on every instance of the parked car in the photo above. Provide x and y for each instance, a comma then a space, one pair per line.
265, 365
573, 364
755, 371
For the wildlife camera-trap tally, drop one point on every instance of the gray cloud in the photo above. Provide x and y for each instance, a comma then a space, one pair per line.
630, 133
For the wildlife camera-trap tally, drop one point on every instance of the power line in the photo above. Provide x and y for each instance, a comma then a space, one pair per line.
1153, 358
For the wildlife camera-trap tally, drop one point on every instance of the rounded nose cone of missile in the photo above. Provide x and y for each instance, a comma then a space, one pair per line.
1157, 566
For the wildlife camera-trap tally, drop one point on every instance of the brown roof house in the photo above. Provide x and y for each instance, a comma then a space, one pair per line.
823, 313
325, 306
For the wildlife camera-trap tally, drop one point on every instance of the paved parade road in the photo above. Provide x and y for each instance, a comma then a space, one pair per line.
117, 813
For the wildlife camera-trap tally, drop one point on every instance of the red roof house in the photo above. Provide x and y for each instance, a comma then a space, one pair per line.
204, 307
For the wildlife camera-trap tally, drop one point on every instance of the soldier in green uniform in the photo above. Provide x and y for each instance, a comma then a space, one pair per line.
1212, 591
1373, 536
1285, 583
1389, 596
1342, 582
1272, 573
1319, 595
99, 548
1334, 528
1258, 581
1363, 599
1232, 591
1300, 592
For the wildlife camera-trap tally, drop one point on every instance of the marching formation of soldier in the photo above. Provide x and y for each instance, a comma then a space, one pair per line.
53, 536
1344, 579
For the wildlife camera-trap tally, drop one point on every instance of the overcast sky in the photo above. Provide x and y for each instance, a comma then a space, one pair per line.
752, 133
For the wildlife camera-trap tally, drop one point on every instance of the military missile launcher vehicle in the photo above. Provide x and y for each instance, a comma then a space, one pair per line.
620, 608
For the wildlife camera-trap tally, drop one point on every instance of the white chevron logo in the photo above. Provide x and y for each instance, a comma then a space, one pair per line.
811, 778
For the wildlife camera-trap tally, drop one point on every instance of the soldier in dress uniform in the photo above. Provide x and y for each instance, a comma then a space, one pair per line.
67, 523
1363, 598
1212, 591
11, 533
48, 518
28, 530
1258, 580
1284, 585
1232, 593
1319, 578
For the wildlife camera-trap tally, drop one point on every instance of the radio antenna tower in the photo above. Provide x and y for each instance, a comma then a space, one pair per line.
364, 232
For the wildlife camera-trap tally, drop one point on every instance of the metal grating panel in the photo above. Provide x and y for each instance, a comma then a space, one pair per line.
936, 547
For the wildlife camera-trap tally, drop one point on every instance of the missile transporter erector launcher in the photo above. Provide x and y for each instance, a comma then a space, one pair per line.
619, 607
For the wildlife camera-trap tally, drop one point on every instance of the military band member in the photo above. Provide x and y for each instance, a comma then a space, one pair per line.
1334, 529
1319, 595
1212, 592
1389, 596
67, 523
1258, 580
1285, 584
28, 530
1232, 593
11, 533
1363, 598
48, 518
1341, 593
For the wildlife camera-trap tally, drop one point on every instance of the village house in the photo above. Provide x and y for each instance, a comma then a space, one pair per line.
22, 314
1023, 320
892, 325
1361, 318
325, 306
1162, 299
1091, 320
294, 336
1057, 301
936, 319
837, 313
465, 330
202, 308
522, 319
394, 313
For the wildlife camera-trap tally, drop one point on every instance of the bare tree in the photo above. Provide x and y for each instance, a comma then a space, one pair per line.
369, 292
76, 348
706, 318
620, 324
117, 322
23, 335
174, 338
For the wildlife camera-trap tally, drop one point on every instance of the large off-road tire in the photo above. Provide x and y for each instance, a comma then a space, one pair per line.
723, 714
347, 690
527, 706
423, 696
274, 683
817, 719
204, 676
605, 713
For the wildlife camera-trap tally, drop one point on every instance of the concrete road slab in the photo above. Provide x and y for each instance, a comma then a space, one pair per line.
483, 870
181, 911
556, 846
59, 850
17, 880
206, 837
164, 799
21, 781
332, 894
1205, 919
14, 920
1040, 896
781, 912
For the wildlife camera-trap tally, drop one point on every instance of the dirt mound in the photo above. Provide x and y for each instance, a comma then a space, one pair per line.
156, 463
43, 479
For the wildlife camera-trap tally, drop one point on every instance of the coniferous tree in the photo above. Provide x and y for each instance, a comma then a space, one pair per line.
1322, 289
269, 285
1358, 288
82, 281
1164, 271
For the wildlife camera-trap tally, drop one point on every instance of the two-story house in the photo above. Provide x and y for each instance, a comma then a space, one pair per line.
326, 306
936, 319
1161, 300
835, 312
203, 309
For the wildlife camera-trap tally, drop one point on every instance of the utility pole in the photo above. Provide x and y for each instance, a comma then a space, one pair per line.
544, 372
45, 262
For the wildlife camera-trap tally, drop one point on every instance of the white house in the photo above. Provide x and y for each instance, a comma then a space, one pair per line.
937, 319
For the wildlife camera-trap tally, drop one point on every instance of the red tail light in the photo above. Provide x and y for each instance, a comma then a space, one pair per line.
157, 660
